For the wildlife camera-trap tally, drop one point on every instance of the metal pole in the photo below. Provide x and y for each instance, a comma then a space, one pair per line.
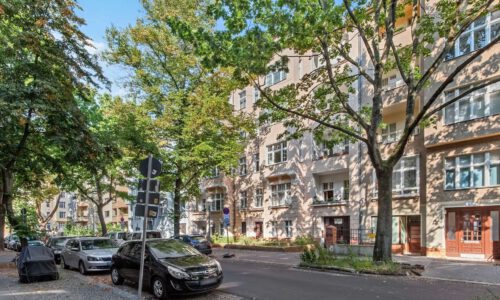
144, 224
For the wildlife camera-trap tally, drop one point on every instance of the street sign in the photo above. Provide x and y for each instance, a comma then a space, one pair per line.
154, 185
155, 167
152, 211
226, 221
154, 198
225, 210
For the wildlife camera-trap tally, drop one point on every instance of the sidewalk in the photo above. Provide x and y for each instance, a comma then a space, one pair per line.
440, 269
7, 256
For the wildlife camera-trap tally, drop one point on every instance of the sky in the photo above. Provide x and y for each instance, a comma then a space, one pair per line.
101, 14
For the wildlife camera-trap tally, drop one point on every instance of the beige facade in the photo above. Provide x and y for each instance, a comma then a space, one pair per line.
315, 187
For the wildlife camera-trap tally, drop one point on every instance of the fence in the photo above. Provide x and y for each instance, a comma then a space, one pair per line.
355, 236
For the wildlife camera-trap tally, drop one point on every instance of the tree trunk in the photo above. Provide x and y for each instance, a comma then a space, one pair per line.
177, 206
100, 213
383, 240
7, 184
2, 224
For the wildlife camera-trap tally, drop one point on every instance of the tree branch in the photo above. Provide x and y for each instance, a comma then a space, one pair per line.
361, 31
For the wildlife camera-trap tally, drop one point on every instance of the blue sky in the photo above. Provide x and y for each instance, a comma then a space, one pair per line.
101, 14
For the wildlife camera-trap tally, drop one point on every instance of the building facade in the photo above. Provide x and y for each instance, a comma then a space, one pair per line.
446, 188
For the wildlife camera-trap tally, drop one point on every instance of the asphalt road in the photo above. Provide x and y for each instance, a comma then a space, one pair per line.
261, 281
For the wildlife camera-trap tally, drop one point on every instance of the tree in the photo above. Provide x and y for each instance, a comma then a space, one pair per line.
185, 104
44, 65
256, 32
101, 177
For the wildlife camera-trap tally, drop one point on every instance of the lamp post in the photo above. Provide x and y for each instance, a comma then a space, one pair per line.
208, 204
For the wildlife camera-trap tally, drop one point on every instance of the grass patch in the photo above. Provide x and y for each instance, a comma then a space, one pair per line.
323, 259
250, 241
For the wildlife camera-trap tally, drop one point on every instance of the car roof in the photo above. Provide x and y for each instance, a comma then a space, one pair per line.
87, 238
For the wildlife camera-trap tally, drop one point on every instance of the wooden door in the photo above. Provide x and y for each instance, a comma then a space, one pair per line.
343, 228
414, 237
452, 234
471, 232
258, 229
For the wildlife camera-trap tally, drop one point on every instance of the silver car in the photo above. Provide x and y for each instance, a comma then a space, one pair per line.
88, 254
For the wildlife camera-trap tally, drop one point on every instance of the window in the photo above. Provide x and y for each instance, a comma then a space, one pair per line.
405, 176
62, 215
325, 151
473, 170
243, 166
275, 77
472, 227
106, 214
114, 212
288, 229
276, 153
215, 172
317, 62
47, 203
477, 35
391, 82
243, 200
274, 228
280, 194
244, 228
331, 194
481, 103
345, 193
328, 191
259, 198
256, 162
390, 134
62, 204
243, 100
217, 201
256, 94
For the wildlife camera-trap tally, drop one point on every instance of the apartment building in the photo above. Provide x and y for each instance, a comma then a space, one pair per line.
73, 209
446, 188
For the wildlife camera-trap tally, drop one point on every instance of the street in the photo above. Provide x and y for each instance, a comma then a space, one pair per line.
266, 281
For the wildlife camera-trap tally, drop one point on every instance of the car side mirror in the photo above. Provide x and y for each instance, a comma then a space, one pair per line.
75, 249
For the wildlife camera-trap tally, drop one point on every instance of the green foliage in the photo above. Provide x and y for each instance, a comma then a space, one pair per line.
77, 230
304, 240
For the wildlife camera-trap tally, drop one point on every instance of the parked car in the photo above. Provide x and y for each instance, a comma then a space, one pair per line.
13, 241
118, 237
171, 268
150, 234
35, 243
88, 254
56, 244
6, 241
197, 241
36, 263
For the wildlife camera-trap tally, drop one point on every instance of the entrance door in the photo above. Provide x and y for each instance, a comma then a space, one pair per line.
471, 225
343, 228
258, 229
414, 234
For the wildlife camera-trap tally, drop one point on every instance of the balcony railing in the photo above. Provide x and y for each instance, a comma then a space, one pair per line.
340, 196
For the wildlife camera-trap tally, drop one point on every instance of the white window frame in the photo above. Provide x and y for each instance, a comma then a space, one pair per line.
491, 19
256, 162
243, 166
274, 149
390, 133
401, 190
62, 214
391, 82
243, 99
217, 201
275, 77
281, 193
243, 200
288, 228
453, 110
274, 229
452, 164
256, 94
259, 198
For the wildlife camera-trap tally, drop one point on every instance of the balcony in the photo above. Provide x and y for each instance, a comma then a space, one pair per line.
337, 197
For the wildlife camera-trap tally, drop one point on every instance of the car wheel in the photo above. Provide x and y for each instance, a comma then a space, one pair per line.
116, 278
81, 268
159, 288
63, 263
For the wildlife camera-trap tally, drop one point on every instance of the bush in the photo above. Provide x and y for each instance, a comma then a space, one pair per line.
304, 240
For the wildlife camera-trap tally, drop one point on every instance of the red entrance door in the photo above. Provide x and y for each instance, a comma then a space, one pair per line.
471, 239
414, 234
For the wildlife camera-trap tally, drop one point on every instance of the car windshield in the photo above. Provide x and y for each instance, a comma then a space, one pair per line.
199, 239
121, 235
59, 242
97, 244
171, 249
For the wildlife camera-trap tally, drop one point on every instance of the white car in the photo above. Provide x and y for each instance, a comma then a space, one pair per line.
118, 237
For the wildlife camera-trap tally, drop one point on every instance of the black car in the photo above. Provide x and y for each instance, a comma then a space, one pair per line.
171, 268
56, 244
198, 241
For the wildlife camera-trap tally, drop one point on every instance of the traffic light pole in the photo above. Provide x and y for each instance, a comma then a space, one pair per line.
144, 225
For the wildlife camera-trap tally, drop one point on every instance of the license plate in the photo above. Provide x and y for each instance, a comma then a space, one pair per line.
208, 281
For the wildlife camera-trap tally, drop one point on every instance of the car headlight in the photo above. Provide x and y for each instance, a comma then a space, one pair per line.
219, 267
91, 258
177, 273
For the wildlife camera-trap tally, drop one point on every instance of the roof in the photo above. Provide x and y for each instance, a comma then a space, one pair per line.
86, 238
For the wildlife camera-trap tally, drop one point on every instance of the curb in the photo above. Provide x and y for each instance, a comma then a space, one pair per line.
459, 280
